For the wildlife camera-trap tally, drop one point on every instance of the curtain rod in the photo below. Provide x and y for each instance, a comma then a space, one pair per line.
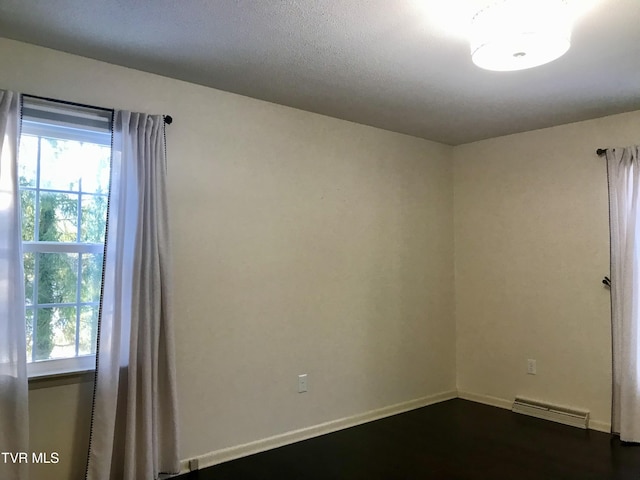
599, 152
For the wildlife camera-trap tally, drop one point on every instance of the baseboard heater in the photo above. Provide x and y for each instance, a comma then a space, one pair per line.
555, 413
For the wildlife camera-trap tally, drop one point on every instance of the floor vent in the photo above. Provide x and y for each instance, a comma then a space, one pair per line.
575, 418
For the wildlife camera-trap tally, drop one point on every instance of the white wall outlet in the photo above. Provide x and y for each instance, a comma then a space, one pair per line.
302, 383
531, 366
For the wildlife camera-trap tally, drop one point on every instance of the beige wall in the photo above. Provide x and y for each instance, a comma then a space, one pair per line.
532, 246
60, 419
302, 244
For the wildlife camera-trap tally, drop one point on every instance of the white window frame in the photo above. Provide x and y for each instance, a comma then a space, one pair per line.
43, 118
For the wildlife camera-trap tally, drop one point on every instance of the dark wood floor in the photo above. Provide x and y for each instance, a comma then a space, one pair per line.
457, 439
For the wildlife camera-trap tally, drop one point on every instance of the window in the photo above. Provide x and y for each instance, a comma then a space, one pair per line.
64, 162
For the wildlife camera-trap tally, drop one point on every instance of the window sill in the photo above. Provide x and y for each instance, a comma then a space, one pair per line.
61, 379
61, 367
49, 376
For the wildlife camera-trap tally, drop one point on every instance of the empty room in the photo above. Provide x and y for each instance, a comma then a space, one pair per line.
304, 239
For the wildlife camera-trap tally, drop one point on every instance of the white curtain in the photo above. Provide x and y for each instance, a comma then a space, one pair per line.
623, 166
134, 425
14, 411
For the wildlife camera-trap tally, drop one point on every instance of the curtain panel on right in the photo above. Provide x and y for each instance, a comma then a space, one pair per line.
134, 432
623, 169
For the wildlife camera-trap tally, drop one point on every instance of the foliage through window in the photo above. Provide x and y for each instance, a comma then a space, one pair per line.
64, 162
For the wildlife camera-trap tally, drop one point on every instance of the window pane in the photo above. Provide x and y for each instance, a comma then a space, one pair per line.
28, 161
56, 333
58, 217
29, 276
88, 330
74, 166
91, 278
59, 160
28, 205
29, 331
57, 277
94, 217
95, 168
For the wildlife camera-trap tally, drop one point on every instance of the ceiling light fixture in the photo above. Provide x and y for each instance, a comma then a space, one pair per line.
518, 34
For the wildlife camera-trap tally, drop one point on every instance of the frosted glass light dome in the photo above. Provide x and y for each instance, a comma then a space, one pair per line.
518, 34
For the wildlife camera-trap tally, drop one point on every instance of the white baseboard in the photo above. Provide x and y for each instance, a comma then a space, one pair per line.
486, 399
238, 451
226, 454
508, 404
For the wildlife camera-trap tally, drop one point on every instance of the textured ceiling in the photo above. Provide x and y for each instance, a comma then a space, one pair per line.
401, 65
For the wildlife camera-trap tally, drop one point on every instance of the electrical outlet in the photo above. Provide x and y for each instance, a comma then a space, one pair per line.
194, 464
302, 383
531, 366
